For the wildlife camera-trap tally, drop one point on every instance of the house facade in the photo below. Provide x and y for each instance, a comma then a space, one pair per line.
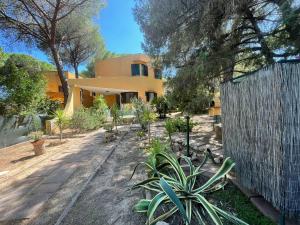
117, 79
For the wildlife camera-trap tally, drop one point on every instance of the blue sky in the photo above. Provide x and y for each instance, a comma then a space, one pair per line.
117, 26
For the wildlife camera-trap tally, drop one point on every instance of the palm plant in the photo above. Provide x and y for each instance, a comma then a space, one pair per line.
61, 121
180, 189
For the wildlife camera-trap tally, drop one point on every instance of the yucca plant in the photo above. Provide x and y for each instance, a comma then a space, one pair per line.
179, 189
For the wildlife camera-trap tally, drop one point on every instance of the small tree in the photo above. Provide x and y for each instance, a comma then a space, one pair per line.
170, 128
148, 117
116, 115
82, 43
139, 107
161, 105
61, 121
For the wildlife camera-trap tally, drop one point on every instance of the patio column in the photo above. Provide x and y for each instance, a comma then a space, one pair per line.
73, 102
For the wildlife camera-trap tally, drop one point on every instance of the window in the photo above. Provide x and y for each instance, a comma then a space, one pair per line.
135, 69
127, 96
157, 74
145, 69
60, 89
150, 96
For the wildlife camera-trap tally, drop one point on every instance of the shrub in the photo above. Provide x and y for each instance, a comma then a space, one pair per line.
140, 134
61, 121
177, 125
161, 105
179, 191
49, 106
139, 107
85, 119
116, 115
170, 128
100, 106
36, 135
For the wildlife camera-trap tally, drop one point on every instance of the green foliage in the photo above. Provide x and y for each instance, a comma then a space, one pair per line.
139, 107
61, 120
231, 197
170, 128
140, 134
179, 191
22, 84
3, 57
224, 38
161, 105
85, 119
177, 125
48, 106
35, 135
100, 105
116, 115
188, 92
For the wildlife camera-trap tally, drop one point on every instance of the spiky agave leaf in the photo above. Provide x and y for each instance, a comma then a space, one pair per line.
209, 209
173, 197
142, 206
155, 202
229, 216
223, 171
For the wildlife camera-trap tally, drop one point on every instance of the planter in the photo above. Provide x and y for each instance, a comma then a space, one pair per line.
38, 147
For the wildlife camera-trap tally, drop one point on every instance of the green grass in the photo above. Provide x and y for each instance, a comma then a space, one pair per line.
233, 200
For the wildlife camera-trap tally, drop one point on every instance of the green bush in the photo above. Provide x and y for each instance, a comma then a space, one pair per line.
49, 106
178, 125
115, 113
161, 105
85, 119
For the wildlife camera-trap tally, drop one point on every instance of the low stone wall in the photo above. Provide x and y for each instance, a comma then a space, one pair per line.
15, 129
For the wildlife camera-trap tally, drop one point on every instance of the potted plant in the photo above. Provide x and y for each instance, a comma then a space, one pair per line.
38, 142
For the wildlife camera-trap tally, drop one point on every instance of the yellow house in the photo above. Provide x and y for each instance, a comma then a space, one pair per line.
54, 88
117, 79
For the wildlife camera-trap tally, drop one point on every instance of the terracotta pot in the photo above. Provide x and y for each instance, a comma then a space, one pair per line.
38, 147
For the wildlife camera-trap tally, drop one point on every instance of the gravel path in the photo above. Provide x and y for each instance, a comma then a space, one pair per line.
107, 200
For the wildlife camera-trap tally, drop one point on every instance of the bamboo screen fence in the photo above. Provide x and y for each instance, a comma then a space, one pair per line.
261, 132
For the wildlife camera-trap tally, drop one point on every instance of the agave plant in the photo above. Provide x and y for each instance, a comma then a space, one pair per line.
182, 191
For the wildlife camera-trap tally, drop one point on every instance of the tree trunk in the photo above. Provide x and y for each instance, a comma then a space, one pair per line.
76, 71
60, 72
265, 50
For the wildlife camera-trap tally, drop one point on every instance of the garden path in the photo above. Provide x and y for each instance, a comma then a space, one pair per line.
26, 188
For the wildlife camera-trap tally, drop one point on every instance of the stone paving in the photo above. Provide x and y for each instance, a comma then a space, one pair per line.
26, 190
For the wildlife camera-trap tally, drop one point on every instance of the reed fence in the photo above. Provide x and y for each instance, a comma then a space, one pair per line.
261, 132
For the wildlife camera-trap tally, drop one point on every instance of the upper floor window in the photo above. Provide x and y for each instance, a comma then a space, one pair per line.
135, 69
145, 69
157, 74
